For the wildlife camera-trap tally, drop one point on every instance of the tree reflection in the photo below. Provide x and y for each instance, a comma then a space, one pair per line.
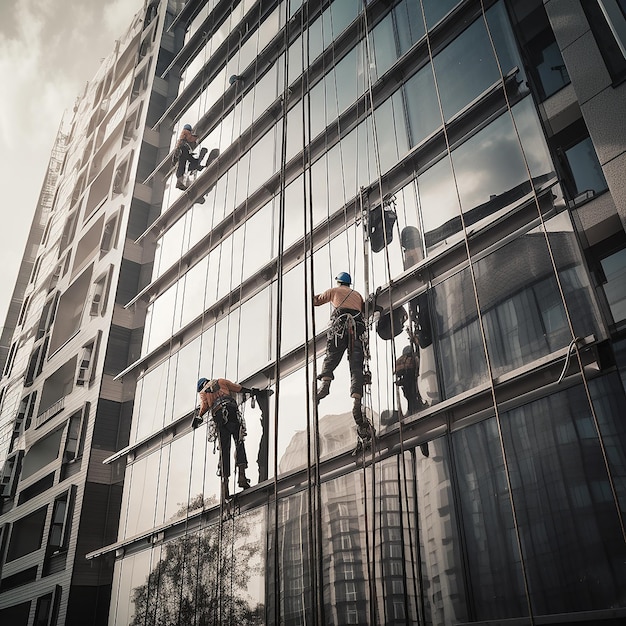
203, 577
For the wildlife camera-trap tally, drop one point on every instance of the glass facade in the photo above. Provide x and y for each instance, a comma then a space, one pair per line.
495, 487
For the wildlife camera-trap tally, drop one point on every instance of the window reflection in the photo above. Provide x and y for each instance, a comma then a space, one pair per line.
391, 132
487, 523
465, 68
439, 203
422, 105
490, 164
193, 577
434, 10
459, 345
556, 437
575, 282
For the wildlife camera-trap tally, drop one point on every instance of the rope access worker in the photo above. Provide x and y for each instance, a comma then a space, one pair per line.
346, 332
187, 143
216, 397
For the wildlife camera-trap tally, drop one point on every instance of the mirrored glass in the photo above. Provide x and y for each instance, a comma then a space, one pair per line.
142, 487
409, 23
490, 171
459, 346
465, 68
575, 282
391, 132
294, 576
254, 333
185, 374
533, 141
609, 401
577, 498
343, 13
151, 413
524, 318
213, 574
504, 42
487, 523
434, 10
422, 105
349, 78
384, 47
439, 205
437, 537
161, 319
130, 573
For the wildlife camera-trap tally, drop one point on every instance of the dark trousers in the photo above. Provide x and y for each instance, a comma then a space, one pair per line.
186, 157
227, 429
336, 345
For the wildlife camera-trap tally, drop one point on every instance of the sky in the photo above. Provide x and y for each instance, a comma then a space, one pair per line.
49, 50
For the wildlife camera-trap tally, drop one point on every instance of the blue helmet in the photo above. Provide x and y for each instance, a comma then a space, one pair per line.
201, 383
344, 278
187, 126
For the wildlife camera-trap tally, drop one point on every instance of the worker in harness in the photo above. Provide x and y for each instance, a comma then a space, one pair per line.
183, 155
346, 332
217, 397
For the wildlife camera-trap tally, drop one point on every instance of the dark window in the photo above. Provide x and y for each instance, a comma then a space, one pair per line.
26, 534
587, 178
607, 261
542, 54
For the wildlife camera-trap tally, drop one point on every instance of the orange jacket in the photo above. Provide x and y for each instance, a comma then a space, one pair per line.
340, 297
208, 399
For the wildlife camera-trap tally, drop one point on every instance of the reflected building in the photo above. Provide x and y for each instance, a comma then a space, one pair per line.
462, 160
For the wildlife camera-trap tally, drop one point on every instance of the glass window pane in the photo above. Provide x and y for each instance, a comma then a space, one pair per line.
465, 68
434, 10
422, 105
586, 170
384, 45
518, 293
614, 268
391, 132
556, 437
460, 351
439, 204
575, 281
490, 171
409, 23
487, 519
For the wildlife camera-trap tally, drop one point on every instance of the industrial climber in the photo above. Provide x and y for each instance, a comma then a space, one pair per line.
183, 155
346, 332
217, 397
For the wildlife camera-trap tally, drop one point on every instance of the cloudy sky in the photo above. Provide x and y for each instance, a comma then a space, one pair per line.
49, 49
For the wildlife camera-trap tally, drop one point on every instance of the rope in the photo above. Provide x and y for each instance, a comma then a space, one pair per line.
314, 527
279, 297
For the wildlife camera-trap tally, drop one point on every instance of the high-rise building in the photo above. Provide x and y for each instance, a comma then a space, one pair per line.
462, 160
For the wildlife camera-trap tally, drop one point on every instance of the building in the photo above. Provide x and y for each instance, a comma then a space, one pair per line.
463, 161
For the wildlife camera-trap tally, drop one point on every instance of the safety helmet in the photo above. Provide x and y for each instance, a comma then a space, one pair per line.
344, 278
407, 351
187, 126
201, 383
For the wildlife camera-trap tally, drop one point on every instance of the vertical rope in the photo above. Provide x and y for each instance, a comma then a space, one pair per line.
279, 294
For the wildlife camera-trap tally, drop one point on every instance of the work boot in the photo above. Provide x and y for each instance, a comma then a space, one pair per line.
243, 481
180, 183
323, 391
